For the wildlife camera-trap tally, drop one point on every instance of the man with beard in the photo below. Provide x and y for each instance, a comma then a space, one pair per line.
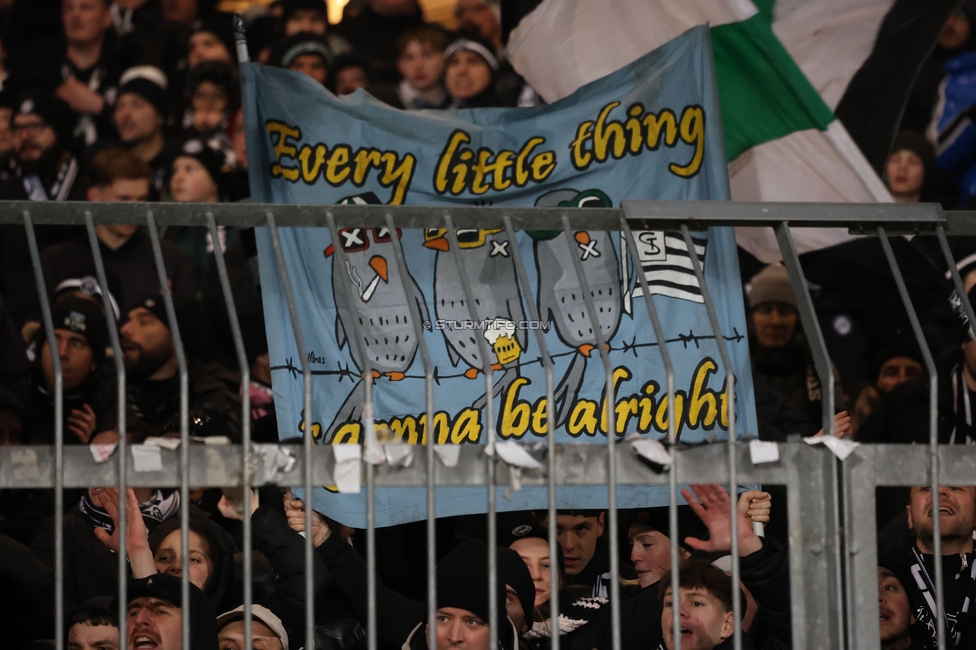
957, 517
45, 168
153, 371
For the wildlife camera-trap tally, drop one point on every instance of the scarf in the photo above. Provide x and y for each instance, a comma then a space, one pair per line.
162, 505
576, 615
62, 184
925, 607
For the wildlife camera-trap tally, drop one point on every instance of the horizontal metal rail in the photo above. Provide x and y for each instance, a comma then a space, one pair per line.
896, 217
576, 464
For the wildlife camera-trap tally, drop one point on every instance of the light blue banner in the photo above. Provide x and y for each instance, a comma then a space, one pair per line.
648, 131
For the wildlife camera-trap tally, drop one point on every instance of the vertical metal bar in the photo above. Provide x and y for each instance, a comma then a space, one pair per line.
730, 401
672, 427
957, 280
52, 344
540, 338
174, 328
418, 329
863, 574
307, 437
235, 331
933, 450
821, 358
369, 433
611, 438
123, 449
490, 432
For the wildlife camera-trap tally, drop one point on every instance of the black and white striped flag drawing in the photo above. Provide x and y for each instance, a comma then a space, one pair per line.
667, 266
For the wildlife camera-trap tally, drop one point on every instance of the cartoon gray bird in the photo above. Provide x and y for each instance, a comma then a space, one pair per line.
560, 298
384, 315
488, 262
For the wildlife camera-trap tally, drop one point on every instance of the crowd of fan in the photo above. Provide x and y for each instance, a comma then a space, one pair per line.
139, 100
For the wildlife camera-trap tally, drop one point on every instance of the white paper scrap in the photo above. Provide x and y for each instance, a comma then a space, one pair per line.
166, 443
651, 450
101, 453
840, 447
348, 468
398, 456
515, 454
762, 451
146, 458
449, 454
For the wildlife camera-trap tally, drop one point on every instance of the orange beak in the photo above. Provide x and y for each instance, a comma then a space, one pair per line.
379, 265
439, 244
583, 237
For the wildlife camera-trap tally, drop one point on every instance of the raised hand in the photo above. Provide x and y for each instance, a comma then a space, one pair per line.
295, 514
755, 506
714, 508
136, 536
81, 423
842, 426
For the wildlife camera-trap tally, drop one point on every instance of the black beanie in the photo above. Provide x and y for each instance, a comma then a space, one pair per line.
83, 316
462, 582
149, 82
916, 143
203, 620
220, 25
55, 112
514, 573
189, 317
289, 7
213, 160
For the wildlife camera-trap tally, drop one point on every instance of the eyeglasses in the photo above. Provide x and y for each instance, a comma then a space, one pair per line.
32, 128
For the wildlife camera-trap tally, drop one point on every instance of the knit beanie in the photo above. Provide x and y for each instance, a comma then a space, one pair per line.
772, 284
55, 113
214, 160
462, 582
289, 7
220, 25
917, 143
514, 573
83, 316
303, 43
203, 620
473, 43
149, 82
189, 316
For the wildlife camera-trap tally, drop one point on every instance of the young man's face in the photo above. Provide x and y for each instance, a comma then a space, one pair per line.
957, 512
895, 610
704, 621
205, 46
421, 65
774, 323
897, 371
650, 551
77, 359
467, 76
578, 537
312, 65
85, 21
231, 637
153, 623
905, 172
192, 183
306, 21
459, 629
83, 636
350, 79
136, 119
122, 189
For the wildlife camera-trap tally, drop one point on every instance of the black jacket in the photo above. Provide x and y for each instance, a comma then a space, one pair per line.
596, 574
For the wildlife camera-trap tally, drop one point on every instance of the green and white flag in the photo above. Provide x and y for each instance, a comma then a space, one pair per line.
782, 141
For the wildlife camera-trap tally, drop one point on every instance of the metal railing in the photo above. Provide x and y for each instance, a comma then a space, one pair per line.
831, 504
